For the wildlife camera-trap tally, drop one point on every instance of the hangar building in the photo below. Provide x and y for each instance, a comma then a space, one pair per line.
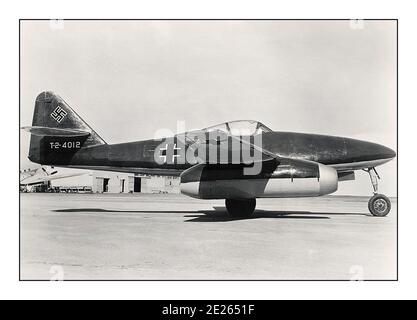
115, 182
128, 183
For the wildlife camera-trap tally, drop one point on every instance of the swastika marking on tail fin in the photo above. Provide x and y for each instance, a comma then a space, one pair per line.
58, 114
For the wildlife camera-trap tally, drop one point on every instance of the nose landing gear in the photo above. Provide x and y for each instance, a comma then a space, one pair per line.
379, 205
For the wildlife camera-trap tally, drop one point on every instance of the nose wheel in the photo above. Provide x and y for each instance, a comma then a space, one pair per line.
379, 205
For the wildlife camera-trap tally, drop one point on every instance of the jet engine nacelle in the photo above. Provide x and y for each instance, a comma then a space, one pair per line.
286, 178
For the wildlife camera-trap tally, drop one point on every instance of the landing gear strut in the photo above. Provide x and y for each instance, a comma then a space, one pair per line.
379, 205
240, 208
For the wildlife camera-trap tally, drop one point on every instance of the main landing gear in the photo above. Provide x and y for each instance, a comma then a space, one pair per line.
240, 208
379, 205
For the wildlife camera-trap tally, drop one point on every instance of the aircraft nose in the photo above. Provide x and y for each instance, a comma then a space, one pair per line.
389, 153
378, 151
362, 150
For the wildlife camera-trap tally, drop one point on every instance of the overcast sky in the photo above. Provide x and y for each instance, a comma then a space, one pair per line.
128, 79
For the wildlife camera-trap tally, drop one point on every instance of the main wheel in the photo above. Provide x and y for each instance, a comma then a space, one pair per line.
240, 208
379, 205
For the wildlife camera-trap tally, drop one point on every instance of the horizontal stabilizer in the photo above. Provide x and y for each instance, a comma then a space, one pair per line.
56, 132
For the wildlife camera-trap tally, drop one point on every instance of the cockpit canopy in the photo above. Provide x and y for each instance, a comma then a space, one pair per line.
240, 128
221, 132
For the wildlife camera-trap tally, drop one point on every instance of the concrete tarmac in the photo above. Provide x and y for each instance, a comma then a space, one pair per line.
160, 236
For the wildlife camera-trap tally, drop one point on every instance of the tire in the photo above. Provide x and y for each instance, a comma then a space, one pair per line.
240, 208
379, 205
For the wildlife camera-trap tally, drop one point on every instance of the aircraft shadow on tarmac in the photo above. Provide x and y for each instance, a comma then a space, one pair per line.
219, 214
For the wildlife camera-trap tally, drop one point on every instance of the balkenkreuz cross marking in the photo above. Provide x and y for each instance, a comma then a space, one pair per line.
171, 151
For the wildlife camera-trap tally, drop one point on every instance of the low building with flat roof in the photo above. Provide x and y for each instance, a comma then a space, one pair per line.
115, 182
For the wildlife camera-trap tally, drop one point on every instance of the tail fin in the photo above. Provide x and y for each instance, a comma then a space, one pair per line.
57, 130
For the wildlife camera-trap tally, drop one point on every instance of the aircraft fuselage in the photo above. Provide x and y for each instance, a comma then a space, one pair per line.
341, 153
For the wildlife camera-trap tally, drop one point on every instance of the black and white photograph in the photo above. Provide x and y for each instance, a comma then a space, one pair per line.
208, 149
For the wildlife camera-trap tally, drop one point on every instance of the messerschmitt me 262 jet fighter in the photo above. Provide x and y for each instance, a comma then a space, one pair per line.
238, 161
